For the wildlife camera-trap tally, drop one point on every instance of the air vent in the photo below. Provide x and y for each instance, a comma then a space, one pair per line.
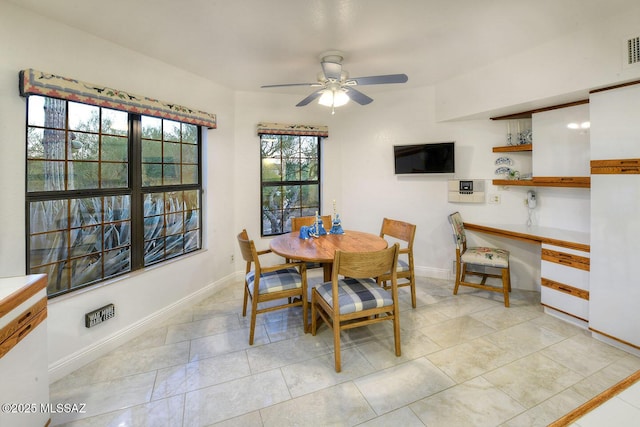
633, 51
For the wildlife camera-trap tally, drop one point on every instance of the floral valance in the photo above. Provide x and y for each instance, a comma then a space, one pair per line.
284, 129
34, 82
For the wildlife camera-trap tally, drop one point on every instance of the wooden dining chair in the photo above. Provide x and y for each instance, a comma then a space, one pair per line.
353, 298
394, 230
298, 221
484, 257
262, 284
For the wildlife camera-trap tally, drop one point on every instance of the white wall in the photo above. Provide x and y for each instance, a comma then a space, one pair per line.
29, 41
576, 63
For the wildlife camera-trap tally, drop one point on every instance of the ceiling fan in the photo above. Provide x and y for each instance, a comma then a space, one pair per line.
335, 86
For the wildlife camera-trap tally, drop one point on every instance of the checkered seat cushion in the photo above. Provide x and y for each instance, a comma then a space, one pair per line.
275, 281
486, 256
356, 294
402, 266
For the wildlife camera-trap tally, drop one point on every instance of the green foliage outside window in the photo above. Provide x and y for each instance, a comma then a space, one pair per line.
290, 176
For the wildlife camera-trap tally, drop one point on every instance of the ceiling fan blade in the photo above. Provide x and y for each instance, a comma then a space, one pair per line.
380, 80
332, 70
290, 84
357, 96
309, 98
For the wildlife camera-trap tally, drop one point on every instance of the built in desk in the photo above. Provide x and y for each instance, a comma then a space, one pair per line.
564, 266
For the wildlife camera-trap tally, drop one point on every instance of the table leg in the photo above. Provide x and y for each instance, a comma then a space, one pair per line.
326, 267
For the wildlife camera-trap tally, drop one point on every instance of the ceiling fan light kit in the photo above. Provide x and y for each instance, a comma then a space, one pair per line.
336, 88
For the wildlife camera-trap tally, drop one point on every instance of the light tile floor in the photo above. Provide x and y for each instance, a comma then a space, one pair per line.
466, 361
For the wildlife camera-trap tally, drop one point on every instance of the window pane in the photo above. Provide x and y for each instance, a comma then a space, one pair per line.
292, 169
171, 130
189, 153
290, 146
151, 151
114, 149
189, 133
171, 153
83, 175
114, 175
271, 169
171, 174
151, 127
86, 240
47, 215
84, 117
309, 171
151, 175
190, 174
47, 112
115, 122
83, 146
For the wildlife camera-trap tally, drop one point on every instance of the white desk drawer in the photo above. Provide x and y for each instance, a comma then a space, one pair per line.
565, 302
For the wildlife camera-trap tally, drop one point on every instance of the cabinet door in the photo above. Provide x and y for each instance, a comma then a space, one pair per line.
615, 124
560, 142
615, 245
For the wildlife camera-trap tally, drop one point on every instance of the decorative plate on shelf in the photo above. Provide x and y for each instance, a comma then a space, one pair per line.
503, 170
504, 161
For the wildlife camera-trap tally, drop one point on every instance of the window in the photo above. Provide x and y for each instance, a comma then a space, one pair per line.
290, 180
108, 191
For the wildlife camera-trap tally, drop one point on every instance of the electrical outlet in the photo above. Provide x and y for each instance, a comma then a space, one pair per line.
232, 258
494, 199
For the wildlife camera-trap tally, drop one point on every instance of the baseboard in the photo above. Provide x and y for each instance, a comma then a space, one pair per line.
67, 365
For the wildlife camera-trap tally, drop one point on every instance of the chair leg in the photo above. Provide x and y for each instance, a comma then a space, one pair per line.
313, 313
336, 343
506, 285
458, 276
254, 308
246, 297
413, 291
396, 331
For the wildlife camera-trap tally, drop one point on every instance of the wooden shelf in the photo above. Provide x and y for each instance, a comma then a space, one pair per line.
510, 148
548, 181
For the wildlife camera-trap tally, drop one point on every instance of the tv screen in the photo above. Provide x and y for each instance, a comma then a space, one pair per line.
436, 157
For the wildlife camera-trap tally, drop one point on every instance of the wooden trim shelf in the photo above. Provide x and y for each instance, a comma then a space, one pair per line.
528, 114
511, 148
548, 181
615, 166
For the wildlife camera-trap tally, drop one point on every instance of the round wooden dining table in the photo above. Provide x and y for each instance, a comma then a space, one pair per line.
322, 249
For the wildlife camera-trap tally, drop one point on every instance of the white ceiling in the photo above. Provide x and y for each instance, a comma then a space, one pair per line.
244, 44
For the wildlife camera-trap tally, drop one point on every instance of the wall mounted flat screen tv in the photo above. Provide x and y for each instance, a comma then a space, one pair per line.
438, 157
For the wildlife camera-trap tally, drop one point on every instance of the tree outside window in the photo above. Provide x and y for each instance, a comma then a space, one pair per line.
290, 180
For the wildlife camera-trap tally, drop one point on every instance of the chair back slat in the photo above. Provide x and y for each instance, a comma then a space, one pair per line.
398, 230
298, 221
457, 226
360, 265
247, 247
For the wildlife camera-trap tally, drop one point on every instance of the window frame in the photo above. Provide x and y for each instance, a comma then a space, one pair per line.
134, 190
284, 182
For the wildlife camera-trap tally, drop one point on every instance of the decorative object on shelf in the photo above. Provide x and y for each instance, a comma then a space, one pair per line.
519, 132
336, 225
319, 226
504, 161
526, 176
503, 170
514, 174
304, 232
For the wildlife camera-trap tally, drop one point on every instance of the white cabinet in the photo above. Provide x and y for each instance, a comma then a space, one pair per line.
615, 221
24, 375
615, 123
565, 281
561, 142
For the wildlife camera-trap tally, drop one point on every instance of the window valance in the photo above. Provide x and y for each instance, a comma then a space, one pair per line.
285, 129
33, 82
